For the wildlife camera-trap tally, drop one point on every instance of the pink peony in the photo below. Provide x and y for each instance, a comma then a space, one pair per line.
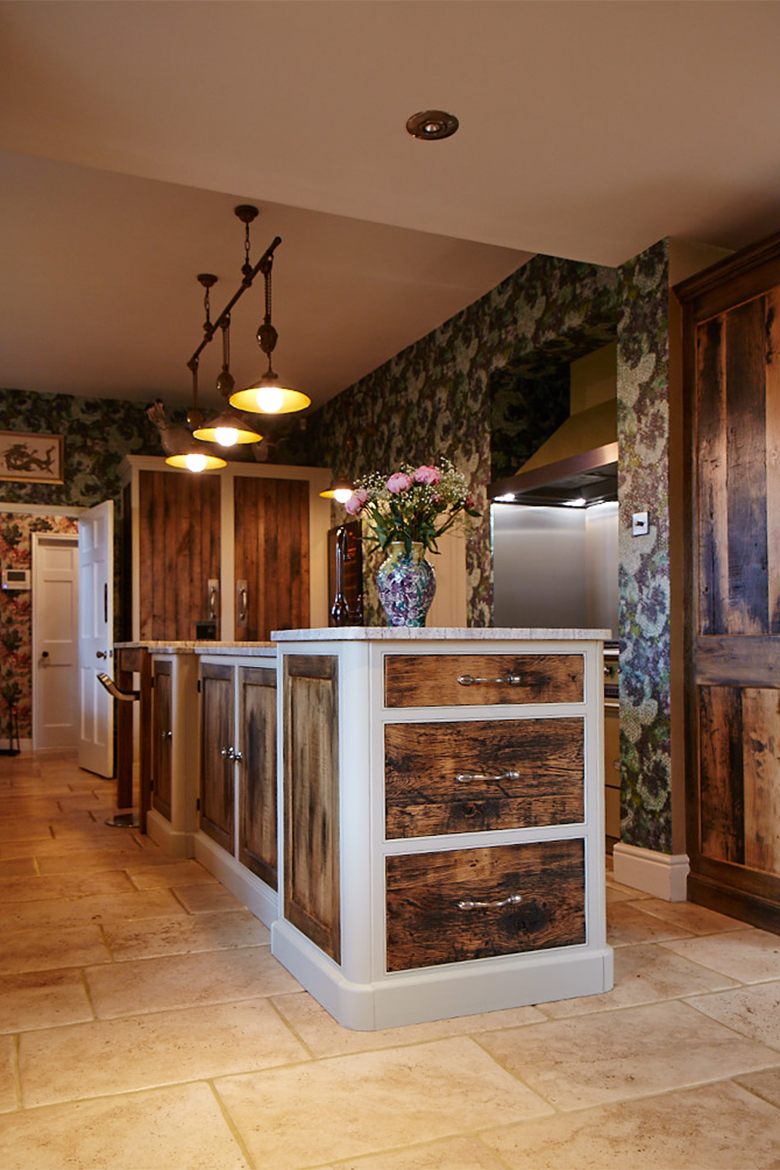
399, 482
356, 502
429, 475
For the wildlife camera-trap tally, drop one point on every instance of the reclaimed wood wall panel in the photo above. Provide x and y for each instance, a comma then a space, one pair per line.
426, 926
179, 551
432, 680
544, 757
713, 493
217, 772
721, 775
272, 553
761, 765
257, 848
312, 893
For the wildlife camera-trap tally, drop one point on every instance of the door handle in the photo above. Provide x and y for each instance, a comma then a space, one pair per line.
242, 600
45, 654
101, 654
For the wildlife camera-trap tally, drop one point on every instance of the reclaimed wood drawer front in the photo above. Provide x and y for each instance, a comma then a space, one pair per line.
451, 907
475, 775
468, 680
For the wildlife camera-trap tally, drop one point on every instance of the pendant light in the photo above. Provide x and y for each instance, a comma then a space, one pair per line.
228, 428
340, 490
266, 395
196, 456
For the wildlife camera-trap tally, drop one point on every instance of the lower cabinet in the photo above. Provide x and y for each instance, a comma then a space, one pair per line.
162, 737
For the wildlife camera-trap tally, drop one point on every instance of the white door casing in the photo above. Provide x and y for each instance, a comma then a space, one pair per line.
96, 635
55, 640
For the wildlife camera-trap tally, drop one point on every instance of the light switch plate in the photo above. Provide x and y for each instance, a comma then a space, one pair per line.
640, 524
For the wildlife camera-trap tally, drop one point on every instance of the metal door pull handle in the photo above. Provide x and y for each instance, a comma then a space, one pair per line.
231, 754
477, 777
512, 900
512, 680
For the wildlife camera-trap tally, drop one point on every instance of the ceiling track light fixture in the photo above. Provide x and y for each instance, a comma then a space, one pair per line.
430, 125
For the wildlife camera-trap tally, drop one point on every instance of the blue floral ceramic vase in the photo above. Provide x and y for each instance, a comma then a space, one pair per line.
406, 584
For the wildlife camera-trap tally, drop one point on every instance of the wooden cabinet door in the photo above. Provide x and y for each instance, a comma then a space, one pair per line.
311, 799
162, 735
179, 551
257, 791
271, 555
217, 782
733, 615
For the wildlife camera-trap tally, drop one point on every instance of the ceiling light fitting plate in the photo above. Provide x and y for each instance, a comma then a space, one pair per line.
429, 125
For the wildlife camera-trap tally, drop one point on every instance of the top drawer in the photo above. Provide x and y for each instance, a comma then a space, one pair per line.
468, 680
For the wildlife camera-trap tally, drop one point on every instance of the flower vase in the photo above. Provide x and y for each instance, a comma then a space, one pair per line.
406, 584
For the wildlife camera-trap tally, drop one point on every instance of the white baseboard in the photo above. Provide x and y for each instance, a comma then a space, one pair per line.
664, 875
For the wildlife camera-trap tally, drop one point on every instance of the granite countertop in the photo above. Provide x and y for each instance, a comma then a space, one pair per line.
442, 633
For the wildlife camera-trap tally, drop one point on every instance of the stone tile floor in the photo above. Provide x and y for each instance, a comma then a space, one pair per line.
144, 1025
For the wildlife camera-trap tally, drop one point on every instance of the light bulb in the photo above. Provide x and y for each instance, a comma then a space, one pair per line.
195, 462
226, 436
343, 494
269, 399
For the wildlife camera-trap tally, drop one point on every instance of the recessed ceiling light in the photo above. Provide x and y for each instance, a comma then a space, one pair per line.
430, 124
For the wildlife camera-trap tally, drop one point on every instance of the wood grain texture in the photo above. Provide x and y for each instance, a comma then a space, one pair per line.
431, 680
426, 927
712, 477
721, 774
772, 375
422, 760
744, 661
312, 894
272, 553
130, 661
162, 727
257, 848
761, 771
217, 772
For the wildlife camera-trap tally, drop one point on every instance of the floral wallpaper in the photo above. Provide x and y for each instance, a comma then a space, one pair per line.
16, 530
645, 637
434, 399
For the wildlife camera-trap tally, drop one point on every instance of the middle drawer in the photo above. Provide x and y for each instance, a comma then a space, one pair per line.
467, 776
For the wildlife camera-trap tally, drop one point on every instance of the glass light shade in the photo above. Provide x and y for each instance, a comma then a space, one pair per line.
196, 461
340, 490
266, 396
227, 429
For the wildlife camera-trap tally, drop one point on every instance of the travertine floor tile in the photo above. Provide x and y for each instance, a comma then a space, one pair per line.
449, 1154
184, 934
18, 867
8, 1099
628, 925
60, 846
71, 885
24, 829
320, 1032
754, 1011
764, 1084
696, 919
42, 999
87, 860
206, 896
363, 1104
141, 1052
643, 974
153, 985
125, 907
716, 1127
751, 956
176, 873
60, 946
167, 1129
610, 1056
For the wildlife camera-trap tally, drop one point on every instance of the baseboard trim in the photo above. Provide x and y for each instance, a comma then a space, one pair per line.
664, 875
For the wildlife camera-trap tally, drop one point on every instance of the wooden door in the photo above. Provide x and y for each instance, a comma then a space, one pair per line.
162, 735
733, 612
179, 552
257, 794
311, 799
271, 556
217, 767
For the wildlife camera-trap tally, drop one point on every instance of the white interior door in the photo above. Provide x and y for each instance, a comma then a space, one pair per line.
55, 582
96, 636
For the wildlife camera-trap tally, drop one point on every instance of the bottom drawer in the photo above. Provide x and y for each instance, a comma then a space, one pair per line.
449, 907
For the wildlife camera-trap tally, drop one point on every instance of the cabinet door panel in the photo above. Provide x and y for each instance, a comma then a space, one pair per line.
453, 906
162, 733
476, 775
272, 554
257, 811
311, 800
217, 809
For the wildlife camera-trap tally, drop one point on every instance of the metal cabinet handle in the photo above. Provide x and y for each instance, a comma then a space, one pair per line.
477, 777
231, 754
166, 735
512, 680
512, 900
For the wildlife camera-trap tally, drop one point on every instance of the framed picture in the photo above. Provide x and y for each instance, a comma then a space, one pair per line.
31, 458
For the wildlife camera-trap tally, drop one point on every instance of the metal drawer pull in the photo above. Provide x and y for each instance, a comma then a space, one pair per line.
468, 777
512, 900
512, 680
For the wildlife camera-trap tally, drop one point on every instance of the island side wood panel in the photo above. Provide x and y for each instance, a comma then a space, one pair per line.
523, 772
427, 923
257, 844
312, 892
162, 738
497, 678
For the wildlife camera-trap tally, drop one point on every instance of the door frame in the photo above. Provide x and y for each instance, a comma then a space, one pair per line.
71, 538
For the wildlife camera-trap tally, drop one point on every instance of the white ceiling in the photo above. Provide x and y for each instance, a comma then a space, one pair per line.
131, 129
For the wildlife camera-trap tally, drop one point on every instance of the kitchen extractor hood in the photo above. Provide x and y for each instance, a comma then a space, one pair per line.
575, 467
